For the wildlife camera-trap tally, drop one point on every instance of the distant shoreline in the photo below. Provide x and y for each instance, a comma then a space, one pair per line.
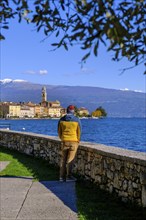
88, 118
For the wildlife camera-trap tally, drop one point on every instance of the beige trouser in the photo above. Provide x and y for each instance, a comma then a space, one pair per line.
68, 152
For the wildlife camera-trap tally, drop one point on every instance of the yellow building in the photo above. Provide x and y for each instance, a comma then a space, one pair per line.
40, 111
10, 109
27, 111
54, 112
14, 110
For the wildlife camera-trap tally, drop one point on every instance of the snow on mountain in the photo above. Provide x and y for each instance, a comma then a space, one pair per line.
138, 91
126, 89
5, 81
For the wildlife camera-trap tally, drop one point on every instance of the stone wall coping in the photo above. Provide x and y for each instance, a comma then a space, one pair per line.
53, 138
115, 152
109, 151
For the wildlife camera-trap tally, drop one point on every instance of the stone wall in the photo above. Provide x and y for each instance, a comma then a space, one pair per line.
113, 169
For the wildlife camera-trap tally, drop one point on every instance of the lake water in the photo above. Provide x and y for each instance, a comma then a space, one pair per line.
128, 133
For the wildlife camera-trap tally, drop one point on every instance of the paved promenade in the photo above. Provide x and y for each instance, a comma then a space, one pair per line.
23, 199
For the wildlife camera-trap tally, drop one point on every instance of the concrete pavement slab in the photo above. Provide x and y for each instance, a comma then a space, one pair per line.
23, 199
13, 185
3, 165
65, 191
49, 200
13, 192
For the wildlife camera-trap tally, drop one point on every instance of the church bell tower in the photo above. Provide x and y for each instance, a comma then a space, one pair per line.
44, 94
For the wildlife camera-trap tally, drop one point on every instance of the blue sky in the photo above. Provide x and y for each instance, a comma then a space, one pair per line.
24, 56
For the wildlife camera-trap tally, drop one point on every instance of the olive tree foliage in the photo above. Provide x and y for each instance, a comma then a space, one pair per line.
99, 112
118, 24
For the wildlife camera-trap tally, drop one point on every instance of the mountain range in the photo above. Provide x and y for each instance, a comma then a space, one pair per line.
117, 103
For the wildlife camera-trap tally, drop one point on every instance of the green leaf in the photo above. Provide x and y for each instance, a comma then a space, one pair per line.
39, 27
86, 56
35, 19
65, 46
49, 27
133, 57
24, 3
37, 2
5, 27
62, 5
96, 48
56, 12
2, 37
46, 32
16, 2
117, 54
57, 33
54, 44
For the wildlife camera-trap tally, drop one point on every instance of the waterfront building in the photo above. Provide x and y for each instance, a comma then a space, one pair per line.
14, 110
54, 112
9, 109
40, 111
30, 104
26, 112
37, 110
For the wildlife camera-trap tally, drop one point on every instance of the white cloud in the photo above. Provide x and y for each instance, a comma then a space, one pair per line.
29, 72
19, 80
43, 72
39, 72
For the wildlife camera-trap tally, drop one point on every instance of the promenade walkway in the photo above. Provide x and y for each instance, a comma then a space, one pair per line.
23, 199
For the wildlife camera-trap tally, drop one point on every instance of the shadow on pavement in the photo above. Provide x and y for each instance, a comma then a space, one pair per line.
65, 191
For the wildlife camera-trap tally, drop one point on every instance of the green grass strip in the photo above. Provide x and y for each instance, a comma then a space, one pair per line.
24, 165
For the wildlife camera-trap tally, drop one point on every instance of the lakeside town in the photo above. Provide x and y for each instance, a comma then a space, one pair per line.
44, 109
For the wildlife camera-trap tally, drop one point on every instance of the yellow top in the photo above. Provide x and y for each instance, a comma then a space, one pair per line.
69, 131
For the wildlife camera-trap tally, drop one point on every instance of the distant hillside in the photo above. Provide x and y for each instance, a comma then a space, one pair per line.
117, 103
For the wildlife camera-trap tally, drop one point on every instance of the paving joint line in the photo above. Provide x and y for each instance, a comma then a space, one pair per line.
24, 200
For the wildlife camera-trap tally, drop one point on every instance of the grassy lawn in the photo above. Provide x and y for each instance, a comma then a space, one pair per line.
92, 203
24, 165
